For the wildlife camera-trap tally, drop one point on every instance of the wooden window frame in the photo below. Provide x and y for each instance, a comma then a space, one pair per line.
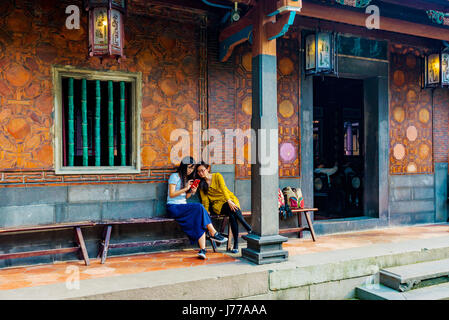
59, 72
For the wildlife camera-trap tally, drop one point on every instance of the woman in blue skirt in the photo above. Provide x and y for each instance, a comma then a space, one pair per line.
192, 217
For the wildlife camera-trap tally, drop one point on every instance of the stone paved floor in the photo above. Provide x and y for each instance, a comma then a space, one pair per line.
20, 277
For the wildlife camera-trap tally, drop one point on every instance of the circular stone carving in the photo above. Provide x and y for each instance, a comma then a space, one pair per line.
286, 109
18, 128
399, 151
399, 114
168, 87
423, 151
247, 105
412, 167
167, 43
399, 78
412, 133
17, 75
287, 152
286, 66
423, 115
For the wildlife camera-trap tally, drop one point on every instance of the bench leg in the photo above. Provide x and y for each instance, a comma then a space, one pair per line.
309, 222
299, 224
104, 252
101, 244
80, 239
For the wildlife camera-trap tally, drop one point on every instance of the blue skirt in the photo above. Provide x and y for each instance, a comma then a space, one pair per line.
192, 217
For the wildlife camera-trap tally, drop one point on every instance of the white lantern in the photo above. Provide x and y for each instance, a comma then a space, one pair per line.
320, 53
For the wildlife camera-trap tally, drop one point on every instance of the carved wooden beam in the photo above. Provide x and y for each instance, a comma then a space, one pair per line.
284, 11
279, 16
281, 26
235, 34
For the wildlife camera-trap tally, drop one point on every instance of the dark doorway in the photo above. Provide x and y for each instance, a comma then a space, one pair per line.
338, 138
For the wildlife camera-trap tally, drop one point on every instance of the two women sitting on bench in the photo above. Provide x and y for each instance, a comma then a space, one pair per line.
192, 217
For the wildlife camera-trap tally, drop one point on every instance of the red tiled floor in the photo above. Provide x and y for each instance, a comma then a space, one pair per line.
358, 239
15, 278
58, 272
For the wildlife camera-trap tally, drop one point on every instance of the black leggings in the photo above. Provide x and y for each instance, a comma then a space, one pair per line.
233, 217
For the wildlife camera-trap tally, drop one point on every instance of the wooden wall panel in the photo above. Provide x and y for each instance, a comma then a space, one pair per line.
411, 144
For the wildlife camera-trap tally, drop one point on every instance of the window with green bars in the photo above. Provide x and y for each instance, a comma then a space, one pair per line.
96, 119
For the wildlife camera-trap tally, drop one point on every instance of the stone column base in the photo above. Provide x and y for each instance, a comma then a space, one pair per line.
265, 249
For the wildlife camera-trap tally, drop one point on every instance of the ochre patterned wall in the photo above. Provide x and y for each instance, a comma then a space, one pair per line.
33, 38
410, 115
288, 105
288, 108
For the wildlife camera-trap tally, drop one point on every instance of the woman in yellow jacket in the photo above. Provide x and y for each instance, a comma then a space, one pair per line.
215, 194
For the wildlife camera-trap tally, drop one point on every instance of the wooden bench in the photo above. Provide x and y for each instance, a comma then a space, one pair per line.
80, 247
298, 229
105, 244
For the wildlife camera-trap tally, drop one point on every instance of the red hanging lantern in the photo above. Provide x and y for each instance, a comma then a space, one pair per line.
106, 28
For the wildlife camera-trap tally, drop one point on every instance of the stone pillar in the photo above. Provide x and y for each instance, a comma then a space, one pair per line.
265, 243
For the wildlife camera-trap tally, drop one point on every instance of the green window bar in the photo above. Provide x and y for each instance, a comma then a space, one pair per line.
71, 137
111, 123
97, 123
84, 122
122, 124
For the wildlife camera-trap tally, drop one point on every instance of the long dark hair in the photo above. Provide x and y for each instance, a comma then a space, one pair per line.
203, 186
182, 170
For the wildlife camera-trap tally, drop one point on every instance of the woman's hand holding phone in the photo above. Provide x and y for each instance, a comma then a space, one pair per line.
188, 185
194, 185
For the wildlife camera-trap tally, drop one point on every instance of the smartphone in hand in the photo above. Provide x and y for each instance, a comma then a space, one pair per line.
195, 183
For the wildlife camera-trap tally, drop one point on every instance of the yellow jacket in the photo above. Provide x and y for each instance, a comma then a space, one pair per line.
217, 195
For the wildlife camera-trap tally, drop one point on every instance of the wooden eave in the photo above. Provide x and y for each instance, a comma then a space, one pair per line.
358, 18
